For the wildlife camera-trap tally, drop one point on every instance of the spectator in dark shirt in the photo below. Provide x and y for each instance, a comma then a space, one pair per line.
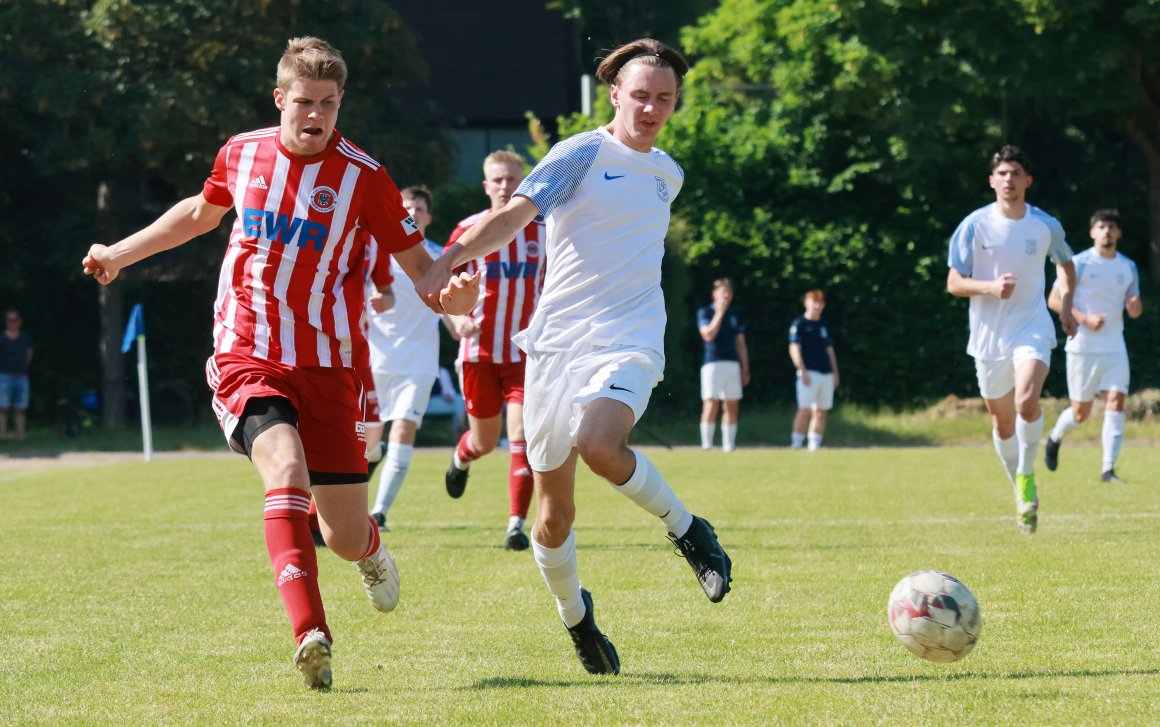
15, 360
812, 349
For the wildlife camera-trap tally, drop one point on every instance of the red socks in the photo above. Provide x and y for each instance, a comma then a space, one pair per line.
295, 564
521, 485
464, 451
375, 542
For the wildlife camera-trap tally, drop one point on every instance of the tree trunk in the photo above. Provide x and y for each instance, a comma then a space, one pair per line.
1153, 160
112, 360
112, 320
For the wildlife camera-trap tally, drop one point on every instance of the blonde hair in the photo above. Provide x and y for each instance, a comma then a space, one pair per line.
503, 156
310, 59
644, 51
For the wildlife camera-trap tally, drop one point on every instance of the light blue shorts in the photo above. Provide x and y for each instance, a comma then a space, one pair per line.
14, 391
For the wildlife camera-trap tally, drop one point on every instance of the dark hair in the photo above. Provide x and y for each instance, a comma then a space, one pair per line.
1010, 153
1107, 214
645, 50
722, 283
419, 191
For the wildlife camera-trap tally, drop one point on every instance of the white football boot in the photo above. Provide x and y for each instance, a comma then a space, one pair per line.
380, 579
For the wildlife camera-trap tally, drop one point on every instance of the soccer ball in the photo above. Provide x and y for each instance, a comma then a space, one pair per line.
935, 616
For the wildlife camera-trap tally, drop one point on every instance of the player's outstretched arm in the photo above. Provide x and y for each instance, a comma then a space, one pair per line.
486, 236
184, 221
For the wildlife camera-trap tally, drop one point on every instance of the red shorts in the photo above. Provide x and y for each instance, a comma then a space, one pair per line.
486, 386
329, 401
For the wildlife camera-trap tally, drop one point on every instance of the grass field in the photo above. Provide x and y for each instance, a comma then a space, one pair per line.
141, 593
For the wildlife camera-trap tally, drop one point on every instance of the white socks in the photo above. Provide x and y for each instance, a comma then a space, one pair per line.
648, 489
1008, 450
1028, 434
796, 440
1063, 425
814, 442
728, 437
392, 474
558, 567
708, 429
1112, 437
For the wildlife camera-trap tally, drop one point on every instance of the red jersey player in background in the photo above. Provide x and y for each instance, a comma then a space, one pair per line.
286, 330
491, 367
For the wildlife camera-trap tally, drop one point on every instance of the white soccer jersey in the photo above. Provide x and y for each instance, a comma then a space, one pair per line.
987, 245
405, 340
1102, 285
607, 212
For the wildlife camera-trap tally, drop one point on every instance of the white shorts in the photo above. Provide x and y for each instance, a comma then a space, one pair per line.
819, 394
997, 376
721, 380
403, 396
1090, 373
559, 385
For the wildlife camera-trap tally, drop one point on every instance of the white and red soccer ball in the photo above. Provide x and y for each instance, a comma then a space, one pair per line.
935, 616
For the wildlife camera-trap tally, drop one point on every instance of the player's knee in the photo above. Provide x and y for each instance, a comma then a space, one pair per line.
554, 522
598, 451
1081, 415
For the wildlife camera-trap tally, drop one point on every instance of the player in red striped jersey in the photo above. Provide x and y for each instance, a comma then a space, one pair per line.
491, 367
286, 331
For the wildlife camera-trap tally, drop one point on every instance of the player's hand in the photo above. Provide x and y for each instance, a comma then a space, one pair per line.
745, 377
805, 377
464, 326
461, 294
98, 263
1095, 321
835, 381
1134, 306
381, 302
1067, 322
1003, 286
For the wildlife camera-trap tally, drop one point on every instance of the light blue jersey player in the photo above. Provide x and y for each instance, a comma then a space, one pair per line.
595, 345
1107, 285
996, 259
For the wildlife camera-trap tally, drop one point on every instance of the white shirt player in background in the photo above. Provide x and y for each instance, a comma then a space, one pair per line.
404, 342
595, 343
996, 259
1106, 285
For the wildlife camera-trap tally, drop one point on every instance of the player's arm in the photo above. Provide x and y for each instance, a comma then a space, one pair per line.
449, 293
743, 357
1134, 306
962, 286
710, 330
1093, 321
795, 355
486, 236
181, 223
1065, 280
833, 363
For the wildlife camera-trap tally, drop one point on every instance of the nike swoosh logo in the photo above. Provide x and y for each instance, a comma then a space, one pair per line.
990, 247
614, 387
611, 177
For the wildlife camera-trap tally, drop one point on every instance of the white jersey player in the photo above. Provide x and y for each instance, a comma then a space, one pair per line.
1106, 285
595, 345
404, 355
996, 258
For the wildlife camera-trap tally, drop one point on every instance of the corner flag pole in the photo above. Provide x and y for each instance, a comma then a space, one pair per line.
136, 330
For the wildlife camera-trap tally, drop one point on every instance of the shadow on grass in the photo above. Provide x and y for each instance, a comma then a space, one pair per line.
680, 679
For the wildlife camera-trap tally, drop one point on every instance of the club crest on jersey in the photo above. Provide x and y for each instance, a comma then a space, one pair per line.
409, 226
1031, 246
533, 249
323, 199
662, 189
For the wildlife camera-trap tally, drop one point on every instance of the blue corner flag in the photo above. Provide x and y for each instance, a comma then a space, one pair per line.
136, 327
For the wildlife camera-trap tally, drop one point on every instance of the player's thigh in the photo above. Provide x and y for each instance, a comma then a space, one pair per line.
482, 389
996, 377
330, 413
1031, 367
1115, 374
824, 396
1082, 377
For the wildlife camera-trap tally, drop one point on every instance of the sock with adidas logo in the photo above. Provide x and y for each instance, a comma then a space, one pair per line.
291, 551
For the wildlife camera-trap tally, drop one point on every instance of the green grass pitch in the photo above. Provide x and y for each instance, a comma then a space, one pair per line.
138, 593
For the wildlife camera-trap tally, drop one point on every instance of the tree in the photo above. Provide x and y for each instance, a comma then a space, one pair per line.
123, 113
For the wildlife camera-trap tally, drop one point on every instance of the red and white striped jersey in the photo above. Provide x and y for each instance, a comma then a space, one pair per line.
291, 288
512, 280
